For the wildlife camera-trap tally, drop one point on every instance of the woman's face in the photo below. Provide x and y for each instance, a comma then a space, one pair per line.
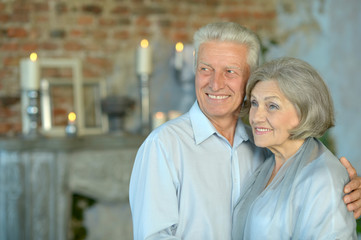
271, 116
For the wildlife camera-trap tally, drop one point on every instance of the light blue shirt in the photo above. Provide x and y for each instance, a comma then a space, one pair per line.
303, 201
187, 178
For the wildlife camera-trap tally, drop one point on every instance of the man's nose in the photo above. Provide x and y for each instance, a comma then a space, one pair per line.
217, 81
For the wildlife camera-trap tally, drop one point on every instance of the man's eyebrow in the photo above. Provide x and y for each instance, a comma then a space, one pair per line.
201, 62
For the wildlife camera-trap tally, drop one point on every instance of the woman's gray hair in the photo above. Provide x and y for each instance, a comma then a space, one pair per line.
304, 88
229, 32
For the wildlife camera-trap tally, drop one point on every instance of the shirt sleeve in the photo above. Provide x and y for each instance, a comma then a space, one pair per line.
324, 214
153, 192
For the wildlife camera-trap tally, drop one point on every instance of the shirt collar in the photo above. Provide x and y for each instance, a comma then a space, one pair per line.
203, 128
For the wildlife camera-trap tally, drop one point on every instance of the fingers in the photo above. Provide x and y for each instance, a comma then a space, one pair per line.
353, 185
355, 207
357, 214
350, 169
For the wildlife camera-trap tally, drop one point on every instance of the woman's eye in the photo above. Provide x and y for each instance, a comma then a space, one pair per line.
273, 106
254, 103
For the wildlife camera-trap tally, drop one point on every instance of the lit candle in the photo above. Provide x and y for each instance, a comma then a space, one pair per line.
158, 119
71, 129
178, 58
144, 58
71, 118
30, 73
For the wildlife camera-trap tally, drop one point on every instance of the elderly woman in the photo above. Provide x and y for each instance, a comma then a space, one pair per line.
297, 192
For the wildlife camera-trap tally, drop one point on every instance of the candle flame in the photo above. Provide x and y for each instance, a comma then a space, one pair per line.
179, 47
33, 57
159, 115
71, 116
144, 43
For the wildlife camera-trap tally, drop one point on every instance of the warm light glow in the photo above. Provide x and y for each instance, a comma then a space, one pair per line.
179, 47
71, 117
33, 57
159, 115
144, 43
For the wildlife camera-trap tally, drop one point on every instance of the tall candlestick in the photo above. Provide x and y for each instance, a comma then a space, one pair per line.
178, 58
30, 73
144, 58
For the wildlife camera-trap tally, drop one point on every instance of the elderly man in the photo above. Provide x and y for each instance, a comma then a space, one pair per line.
189, 173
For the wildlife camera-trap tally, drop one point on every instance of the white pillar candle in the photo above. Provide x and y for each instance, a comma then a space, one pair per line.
144, 58
178, 58
30, 73
158, 119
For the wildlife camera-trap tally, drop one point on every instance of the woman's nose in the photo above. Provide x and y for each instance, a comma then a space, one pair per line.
257, 114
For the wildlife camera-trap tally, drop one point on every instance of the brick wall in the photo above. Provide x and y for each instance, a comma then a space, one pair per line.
101, 31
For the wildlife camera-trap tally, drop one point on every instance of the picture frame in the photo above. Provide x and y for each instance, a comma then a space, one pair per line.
84, 98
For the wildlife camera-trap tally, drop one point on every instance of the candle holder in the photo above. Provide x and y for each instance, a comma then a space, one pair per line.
71, 131
144, 101
32, 112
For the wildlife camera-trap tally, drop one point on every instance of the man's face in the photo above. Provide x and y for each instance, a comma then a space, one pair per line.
221, 76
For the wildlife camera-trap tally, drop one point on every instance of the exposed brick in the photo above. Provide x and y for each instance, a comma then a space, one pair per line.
9, 47
11, 61
100, 34
42, 19
121, 35
5, 127
181, 36
61, 8
30, 47
4, 18
234, 14
77, 33
92, 8
108, 22
41, 7
2, 6
90, 73
48, 46
99, 62
120, 10
264, 15
22, 18
85, 20
73, 46
21, 8
96, 31
124, 21
17, 32
57, 33
142, 22
179, 24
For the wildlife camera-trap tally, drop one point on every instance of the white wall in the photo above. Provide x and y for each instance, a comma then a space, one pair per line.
327, 34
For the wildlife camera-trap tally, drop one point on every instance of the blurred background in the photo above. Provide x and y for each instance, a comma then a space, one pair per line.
67, 178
